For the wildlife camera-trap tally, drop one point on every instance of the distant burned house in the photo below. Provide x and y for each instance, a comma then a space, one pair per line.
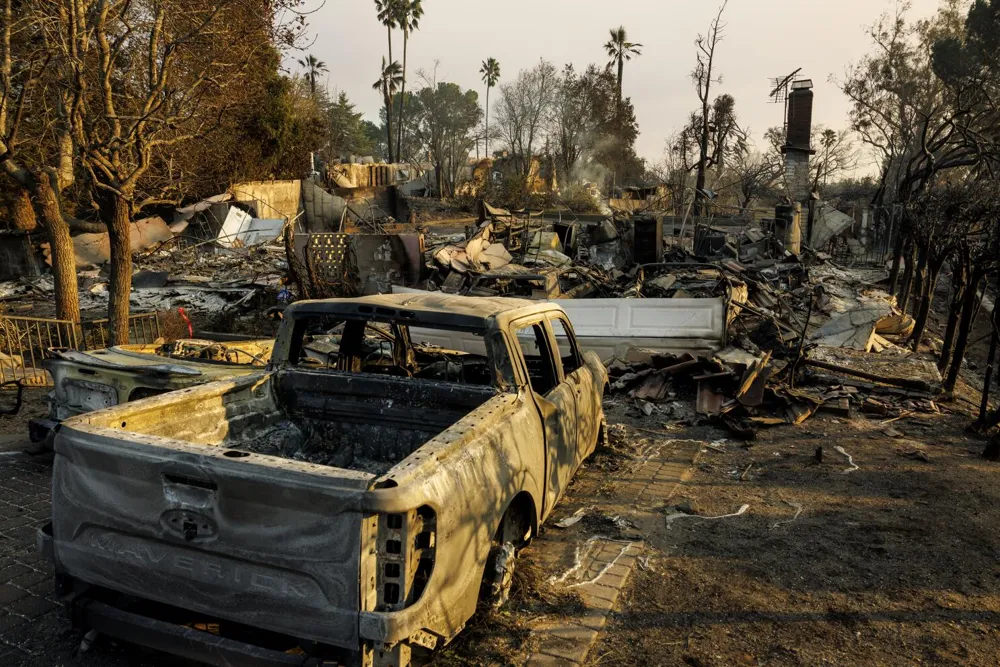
541, 177
632, 199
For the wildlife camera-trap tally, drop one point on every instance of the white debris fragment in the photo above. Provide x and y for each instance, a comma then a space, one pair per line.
577, 561
850, 460
798, 511
625, 547
679, 515
717, 445
592, 545
572, 520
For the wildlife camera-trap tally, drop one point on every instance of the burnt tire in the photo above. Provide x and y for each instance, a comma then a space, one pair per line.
499, 576
513, 534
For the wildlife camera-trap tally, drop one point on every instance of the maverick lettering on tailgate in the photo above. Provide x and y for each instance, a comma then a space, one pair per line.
206, 568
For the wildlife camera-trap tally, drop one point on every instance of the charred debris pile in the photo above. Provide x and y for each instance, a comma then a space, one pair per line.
809, 337
179, 266
803, 335
518, 253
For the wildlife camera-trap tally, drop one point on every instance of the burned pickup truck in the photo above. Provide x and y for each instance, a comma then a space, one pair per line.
352, 503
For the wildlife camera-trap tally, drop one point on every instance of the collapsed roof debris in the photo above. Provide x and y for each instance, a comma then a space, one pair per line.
803, 336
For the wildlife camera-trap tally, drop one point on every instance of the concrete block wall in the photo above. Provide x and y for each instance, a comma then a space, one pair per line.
271, 199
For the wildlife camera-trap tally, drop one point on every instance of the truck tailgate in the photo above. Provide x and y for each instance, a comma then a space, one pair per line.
254, 539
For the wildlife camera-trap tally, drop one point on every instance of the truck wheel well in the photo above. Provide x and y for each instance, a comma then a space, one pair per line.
520, 521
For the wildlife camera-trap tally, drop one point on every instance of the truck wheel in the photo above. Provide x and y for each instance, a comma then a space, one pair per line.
499, 574
513, 533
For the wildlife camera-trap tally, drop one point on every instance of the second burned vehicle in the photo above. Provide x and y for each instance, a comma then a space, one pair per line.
84, 381
354, 502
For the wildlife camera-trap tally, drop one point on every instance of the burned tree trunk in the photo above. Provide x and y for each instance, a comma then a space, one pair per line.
919, 279
897, 260
903, 296
964, 328
61, 243
960, 278
925, 299
120, 280
44, 202
984, 404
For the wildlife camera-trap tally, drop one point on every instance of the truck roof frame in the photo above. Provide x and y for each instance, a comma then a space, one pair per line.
429, 310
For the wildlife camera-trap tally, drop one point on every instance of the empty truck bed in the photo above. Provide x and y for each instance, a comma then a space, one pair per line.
366, 423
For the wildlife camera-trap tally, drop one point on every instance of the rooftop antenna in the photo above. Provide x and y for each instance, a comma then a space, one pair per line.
779, 94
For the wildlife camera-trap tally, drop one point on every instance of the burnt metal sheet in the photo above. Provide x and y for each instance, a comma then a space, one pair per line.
610, 327
352, 263
709, 401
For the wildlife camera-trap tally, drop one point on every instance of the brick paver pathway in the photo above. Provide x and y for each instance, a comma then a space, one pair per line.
600, 565
26, 588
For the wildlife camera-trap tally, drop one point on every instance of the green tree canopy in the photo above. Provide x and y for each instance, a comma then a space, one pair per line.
445, 118
347, 129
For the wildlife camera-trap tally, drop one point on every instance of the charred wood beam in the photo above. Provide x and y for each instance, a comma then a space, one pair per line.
903, 383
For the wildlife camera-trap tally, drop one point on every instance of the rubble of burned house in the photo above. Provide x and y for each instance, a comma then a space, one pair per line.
803, 335
819, 339
526, 254
797, 333
218, 252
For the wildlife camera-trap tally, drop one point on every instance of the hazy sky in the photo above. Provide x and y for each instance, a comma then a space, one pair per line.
764, 39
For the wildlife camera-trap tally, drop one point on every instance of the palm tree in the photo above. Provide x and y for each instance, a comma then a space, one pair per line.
388, 83
388, 15
313, 66
491, 74
388, 12
619, 51
408, 18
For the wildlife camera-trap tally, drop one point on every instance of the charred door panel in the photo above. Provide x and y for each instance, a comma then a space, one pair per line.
556, 399
580, 378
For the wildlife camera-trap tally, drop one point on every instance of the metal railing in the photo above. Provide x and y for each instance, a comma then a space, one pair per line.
25, 342
143, 329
